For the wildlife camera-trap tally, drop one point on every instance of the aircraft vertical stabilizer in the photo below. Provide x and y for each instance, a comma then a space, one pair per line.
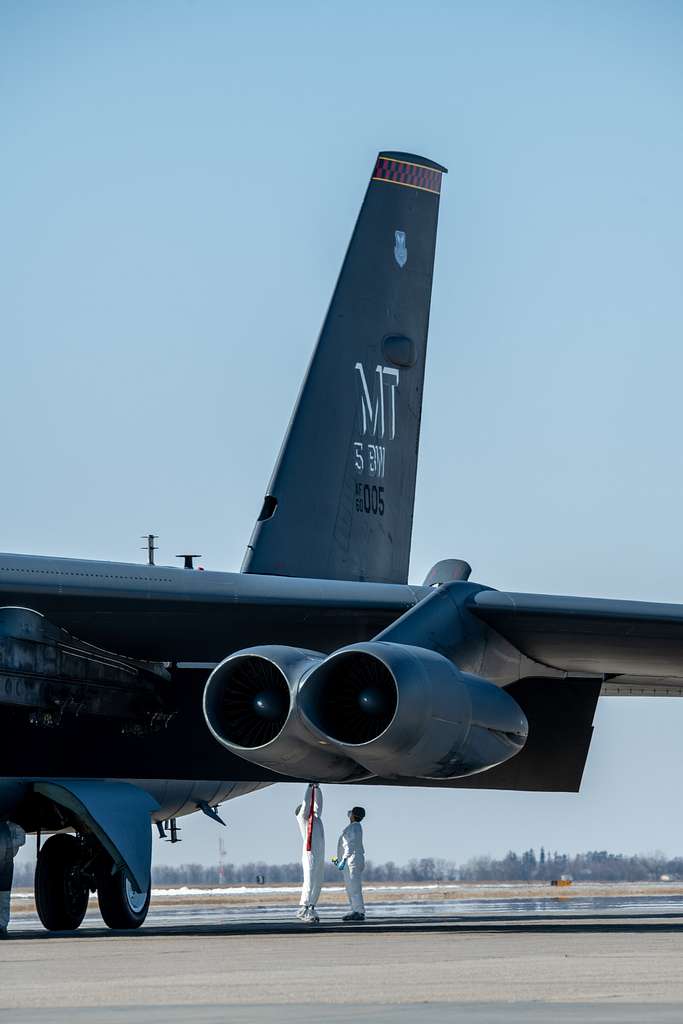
340, 501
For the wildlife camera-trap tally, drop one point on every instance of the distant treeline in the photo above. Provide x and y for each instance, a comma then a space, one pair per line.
594, 866
274, 874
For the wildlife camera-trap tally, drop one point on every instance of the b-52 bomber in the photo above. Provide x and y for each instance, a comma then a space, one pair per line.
131, 694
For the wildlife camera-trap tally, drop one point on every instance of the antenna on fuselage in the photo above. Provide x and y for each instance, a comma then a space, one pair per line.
150, 547
188, 560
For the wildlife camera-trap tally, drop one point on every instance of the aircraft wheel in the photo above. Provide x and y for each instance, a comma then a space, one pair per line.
120, 905
61, 891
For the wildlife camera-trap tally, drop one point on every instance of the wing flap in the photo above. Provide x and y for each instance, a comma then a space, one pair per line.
639, 643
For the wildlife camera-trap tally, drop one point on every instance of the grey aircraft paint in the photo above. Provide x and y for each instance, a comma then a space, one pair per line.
326, 567
340, 501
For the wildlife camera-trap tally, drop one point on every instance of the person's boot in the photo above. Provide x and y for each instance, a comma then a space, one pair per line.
310, 917
301, 912
4, 912
355, 915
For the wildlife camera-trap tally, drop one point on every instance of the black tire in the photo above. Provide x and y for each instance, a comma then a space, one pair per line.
60, 889
120, 905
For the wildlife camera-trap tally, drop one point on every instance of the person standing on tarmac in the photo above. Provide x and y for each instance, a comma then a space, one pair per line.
351, 860
12, 837
309, 818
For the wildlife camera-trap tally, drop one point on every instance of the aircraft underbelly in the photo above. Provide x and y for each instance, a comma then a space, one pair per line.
170, 798
178, 797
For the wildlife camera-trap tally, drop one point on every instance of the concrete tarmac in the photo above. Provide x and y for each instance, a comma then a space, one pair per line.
423, 970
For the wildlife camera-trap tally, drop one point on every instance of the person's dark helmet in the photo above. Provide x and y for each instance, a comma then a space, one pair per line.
296, 812
358, 813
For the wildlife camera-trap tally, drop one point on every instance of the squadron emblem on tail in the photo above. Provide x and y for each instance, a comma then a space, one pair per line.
400, 248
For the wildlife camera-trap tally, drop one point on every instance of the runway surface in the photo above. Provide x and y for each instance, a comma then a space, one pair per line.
594, 961
192, 910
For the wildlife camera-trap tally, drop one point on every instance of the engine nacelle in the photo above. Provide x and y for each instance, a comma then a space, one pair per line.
403, 711
250, 707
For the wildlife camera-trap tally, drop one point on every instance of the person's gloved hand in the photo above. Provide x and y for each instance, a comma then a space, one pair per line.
341, 864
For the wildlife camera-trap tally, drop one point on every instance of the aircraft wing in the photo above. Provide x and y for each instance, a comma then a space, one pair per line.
636, 645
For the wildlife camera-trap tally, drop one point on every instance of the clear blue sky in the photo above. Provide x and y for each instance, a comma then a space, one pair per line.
179, 181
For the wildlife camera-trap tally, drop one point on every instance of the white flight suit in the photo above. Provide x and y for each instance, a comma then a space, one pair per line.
350, 849
313, 860
12, 837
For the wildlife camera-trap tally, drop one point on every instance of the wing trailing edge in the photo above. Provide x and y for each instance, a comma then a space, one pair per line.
636, 646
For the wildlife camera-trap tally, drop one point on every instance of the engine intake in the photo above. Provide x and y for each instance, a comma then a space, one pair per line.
250, 707
352, 699
404, 711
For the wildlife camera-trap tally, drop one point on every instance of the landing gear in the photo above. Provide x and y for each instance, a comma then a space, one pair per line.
61, 887
120, 905
68, 869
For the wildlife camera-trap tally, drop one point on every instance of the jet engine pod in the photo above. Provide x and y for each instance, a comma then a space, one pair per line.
407, 712
249, 707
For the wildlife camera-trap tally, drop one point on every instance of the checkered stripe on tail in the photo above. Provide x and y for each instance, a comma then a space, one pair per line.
401, 173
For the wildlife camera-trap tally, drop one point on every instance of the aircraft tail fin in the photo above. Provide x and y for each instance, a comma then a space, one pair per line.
340, 501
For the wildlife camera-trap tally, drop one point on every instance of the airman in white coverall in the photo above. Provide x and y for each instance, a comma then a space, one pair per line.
351, 860
12, 837
313, 860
